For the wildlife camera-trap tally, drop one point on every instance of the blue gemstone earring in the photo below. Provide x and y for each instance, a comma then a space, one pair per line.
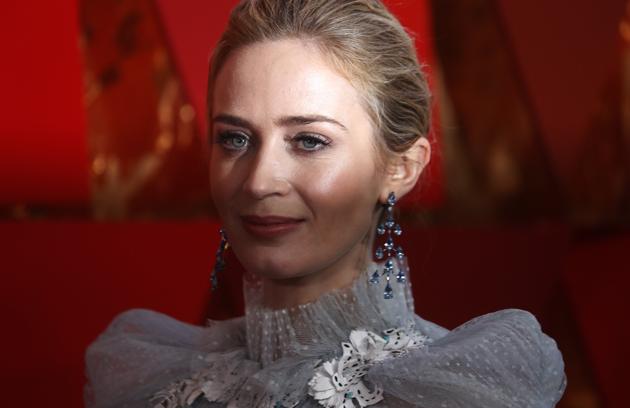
392, 254
219, 262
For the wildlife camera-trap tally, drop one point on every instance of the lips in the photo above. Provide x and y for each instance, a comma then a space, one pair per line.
270, 226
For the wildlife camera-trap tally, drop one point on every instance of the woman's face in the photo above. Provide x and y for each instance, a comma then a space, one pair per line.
293, 171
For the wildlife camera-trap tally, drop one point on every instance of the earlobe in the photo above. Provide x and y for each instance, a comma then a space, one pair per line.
405, 169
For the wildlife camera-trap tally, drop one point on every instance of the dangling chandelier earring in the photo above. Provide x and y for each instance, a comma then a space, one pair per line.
219, 262
392, 254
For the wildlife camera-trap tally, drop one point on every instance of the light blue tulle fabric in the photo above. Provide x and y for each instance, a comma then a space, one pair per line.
267, 357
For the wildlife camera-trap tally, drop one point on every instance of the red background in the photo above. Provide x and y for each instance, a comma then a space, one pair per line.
43, 149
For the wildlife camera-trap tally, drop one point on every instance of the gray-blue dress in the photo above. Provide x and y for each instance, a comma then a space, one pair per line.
349, 348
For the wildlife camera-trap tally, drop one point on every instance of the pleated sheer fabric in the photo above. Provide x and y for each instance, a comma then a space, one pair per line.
268, 357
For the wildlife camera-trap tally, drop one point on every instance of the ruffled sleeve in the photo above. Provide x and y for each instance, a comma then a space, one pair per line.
141, 353
499, 360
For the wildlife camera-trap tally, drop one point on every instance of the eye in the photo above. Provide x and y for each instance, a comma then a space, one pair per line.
233, 140
311, 142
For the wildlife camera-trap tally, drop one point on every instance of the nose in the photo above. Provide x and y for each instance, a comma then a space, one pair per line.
267, 172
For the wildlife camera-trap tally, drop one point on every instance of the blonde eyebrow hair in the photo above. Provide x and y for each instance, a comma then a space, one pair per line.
307, 120
283, 121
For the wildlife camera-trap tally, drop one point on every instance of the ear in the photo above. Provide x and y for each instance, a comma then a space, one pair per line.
403, 170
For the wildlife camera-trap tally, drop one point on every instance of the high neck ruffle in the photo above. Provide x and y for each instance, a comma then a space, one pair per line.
269, 357
317, 328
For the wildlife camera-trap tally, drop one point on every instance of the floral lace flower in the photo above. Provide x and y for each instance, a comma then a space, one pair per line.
338, 383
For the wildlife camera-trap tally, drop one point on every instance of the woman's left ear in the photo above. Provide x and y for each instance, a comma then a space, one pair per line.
404, 169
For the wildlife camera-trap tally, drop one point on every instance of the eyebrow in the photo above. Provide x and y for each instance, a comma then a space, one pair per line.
307, 120
283, 121
232, 120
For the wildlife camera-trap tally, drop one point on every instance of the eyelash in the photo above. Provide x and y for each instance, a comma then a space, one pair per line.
321, 141
226, 139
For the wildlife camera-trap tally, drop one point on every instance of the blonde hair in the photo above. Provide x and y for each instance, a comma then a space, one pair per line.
363, 40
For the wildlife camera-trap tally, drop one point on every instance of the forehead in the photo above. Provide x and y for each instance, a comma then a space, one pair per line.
283, 77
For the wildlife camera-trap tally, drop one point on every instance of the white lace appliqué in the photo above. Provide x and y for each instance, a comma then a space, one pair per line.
182, 393
223, 374
338, 383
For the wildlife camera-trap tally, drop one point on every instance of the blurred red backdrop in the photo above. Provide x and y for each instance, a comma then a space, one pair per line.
43, 150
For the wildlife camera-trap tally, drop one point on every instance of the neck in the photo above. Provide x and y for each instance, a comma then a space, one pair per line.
308, 317
286, 293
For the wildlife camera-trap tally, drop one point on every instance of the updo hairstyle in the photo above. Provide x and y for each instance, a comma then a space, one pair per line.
361, 39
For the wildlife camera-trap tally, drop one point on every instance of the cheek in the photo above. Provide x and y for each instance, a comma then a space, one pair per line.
216, 183
223, 182
344, 194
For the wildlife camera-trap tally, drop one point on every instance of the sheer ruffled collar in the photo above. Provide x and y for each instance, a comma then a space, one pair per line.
334, 352
316, 329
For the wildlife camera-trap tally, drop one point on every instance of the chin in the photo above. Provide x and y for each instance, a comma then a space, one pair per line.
274, 264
